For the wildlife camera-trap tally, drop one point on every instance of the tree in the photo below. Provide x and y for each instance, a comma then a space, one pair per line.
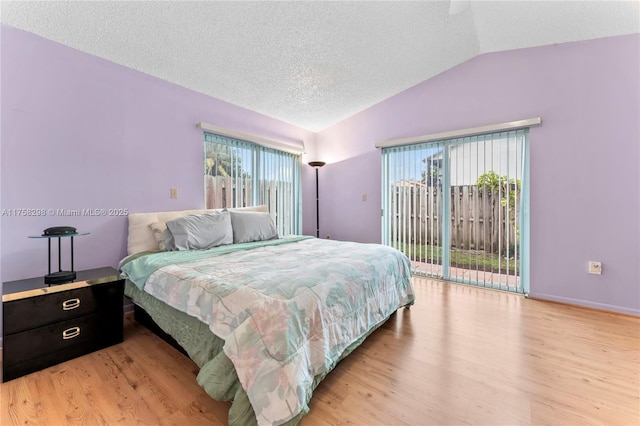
509, 188
509, 193
222, 160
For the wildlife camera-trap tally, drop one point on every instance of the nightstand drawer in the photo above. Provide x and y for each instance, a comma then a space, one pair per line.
37, 311
46, 325
90, 332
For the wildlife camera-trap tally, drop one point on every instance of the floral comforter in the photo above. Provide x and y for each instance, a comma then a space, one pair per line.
286, 309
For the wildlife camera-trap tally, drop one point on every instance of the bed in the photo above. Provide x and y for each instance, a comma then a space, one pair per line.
264, 317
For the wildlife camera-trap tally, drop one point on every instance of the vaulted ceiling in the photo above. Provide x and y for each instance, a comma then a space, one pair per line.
311, 63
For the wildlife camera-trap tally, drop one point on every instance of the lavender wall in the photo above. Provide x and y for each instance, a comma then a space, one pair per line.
585, 201
81, 132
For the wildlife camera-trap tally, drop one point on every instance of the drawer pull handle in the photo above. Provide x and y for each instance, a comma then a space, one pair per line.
70, 333
70, 304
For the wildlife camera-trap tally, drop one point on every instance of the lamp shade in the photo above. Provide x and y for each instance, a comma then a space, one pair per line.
317, 164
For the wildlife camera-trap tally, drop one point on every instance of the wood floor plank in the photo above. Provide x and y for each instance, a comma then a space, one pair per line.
461, 355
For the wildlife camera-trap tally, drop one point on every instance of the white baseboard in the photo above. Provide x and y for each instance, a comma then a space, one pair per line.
585, 303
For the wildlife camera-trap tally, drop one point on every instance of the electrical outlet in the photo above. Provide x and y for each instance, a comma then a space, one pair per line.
364, 197
174, 193
595, 267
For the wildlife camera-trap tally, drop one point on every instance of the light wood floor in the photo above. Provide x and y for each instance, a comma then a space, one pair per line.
461, 355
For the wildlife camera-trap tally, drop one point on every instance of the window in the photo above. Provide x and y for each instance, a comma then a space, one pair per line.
459, 207
241, 174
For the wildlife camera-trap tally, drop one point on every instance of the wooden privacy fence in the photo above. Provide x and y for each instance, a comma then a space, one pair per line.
479, 220
227, 192
220, 192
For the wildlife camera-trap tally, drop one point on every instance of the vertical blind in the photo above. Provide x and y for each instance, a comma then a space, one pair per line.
240, 174
413, 203
458, 207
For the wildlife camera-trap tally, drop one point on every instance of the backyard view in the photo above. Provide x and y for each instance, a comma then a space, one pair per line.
484, 228
241, 174
476, 259
455, 208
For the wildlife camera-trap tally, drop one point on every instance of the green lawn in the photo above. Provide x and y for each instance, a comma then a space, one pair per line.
469, 259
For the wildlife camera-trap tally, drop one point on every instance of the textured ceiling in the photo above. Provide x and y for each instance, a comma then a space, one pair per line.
311, 64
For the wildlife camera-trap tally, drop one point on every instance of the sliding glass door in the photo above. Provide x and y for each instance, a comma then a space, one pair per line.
459, 208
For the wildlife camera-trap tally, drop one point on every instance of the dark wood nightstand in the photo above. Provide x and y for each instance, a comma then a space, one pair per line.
44, 325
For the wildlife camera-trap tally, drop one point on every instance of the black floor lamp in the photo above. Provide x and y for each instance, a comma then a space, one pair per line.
316, 165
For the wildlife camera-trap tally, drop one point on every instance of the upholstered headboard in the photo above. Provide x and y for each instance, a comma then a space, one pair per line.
141, 236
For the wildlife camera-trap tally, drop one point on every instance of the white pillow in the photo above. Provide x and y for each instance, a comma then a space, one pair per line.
200, 231
159, 230
252, 226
